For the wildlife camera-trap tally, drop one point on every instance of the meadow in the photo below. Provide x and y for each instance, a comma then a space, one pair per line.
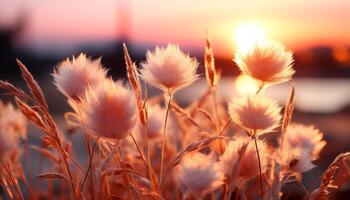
152, 147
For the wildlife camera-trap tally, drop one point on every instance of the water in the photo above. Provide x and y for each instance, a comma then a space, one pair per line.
314, 95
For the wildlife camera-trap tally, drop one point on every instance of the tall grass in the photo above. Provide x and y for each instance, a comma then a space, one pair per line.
142, 147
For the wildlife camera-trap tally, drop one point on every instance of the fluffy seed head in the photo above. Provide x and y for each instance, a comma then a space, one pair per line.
248, 166
255, 113
13, 121
305, 137
13, 127
155, 121
199, 173
296, 159
7, 144
169, 68
109, 110
266, 62
73, 77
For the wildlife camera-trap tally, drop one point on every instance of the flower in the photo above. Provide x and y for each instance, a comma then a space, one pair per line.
199, 173
8, 144
266, 62
169, 68
13, 127
248, 166
73, 77
301, 145
109, 110
255, 113
305, 137
296, 159
155, 121
13, 121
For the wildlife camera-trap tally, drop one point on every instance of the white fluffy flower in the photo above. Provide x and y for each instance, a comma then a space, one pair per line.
199, 173
256, 113
305, 137
8, 143
155, 121
296, 159
13, 121
73, 77
301, 145
266, 62
109, 110
169, 68
13, 127
248, 167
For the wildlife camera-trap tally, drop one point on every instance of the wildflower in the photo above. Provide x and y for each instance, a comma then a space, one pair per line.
199, 173
296, 160
8, 143
13, 127
305, 137
13, 121
155, 121
248, 167
255, 113
266, 62
301, 145
109, 110
73, 77
169, 68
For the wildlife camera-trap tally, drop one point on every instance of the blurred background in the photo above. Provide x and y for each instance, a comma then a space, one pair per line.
42, 33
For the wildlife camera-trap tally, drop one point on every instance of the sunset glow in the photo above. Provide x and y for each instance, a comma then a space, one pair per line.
299, 25
245, 85
248, 35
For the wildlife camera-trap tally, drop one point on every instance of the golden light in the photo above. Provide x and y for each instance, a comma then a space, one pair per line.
245, 85
247, 35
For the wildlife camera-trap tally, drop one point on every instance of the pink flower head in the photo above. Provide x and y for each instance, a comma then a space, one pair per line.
169, 68
155, 121
8, 143
255, 113
248, 167
13, 127
266, 62
73, 77
109, 110
296, 159
199, 173
13, 121
305, 137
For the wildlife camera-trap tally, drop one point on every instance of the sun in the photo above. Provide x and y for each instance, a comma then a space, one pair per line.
247, 35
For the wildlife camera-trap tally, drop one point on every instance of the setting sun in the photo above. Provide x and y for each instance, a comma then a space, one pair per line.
247, 35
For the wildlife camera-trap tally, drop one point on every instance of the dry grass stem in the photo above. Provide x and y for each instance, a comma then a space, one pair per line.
141, 147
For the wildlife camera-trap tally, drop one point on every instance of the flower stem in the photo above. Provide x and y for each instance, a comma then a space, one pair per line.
89, 168
259, 162
163, 138
124, 175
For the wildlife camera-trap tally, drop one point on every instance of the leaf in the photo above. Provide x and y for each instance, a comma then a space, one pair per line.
45, 152
328, 178
52, 176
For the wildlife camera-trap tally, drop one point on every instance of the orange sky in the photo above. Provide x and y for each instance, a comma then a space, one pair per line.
298, 24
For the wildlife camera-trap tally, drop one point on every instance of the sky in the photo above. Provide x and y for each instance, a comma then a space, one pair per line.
298, 24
